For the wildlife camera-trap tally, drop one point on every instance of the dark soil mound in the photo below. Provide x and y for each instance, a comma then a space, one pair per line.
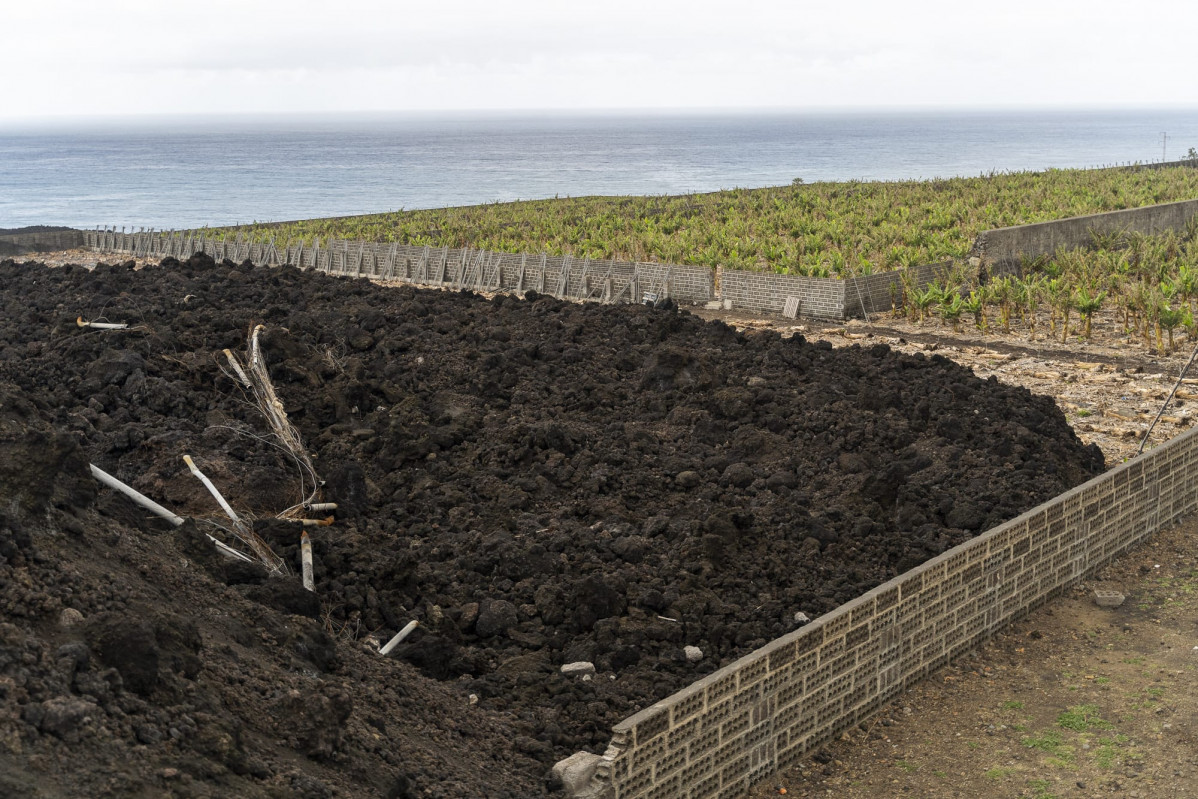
537, 482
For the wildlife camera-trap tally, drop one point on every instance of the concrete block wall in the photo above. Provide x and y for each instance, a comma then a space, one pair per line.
766, 292
879, 293
767, 710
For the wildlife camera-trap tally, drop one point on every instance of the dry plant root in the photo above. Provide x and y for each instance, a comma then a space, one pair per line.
241, 530
254, 375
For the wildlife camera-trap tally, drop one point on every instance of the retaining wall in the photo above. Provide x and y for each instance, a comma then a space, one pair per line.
762, 713
766, 292
41, 241
561, 276
1003, 248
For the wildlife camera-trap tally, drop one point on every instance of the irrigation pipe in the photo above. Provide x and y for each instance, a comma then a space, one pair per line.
228, 551
152, 506
398, 637
244, 533
135, 495
1168, 399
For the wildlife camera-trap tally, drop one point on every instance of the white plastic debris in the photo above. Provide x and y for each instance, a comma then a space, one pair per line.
578, 668
397, 639
102, 325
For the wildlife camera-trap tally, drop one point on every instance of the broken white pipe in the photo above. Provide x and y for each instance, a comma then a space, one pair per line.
228, 551
319, 506
101, 325
398, 637
306, 560
135, 495
152, 506
241, 375
211, 488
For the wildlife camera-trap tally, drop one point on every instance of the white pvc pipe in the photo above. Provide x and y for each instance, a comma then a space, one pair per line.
152, 506
141, 499
306, 560
101, 325
228, 551
398, 637
211, 488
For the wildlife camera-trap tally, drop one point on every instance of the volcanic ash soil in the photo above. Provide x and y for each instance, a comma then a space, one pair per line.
536, 482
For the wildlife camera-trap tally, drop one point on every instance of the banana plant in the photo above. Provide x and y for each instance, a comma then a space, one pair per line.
1058, 293
975, 304
951, 306
1170, 319
1033, 290
1087, 305
924, 299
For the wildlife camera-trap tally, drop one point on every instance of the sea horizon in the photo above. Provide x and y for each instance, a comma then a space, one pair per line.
176, 171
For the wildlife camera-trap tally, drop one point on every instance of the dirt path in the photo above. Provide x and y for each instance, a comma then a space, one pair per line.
1073, 701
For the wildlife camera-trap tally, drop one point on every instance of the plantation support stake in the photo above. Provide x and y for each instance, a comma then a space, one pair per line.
1168, 399
241, 375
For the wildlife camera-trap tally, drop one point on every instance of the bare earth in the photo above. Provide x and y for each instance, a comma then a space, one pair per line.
1075, 700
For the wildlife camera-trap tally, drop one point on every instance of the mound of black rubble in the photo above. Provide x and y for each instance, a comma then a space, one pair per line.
537, 482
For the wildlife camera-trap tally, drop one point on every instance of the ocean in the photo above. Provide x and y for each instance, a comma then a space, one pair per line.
187, 172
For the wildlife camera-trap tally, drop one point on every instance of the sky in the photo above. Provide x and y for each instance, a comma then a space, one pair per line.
69, 58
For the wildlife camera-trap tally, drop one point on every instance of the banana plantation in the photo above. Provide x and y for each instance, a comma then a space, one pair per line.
1137, 287
833, 229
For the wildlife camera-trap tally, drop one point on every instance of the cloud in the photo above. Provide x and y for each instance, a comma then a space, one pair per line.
138, 56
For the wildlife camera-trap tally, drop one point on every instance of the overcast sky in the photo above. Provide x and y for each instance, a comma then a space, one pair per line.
121, 57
